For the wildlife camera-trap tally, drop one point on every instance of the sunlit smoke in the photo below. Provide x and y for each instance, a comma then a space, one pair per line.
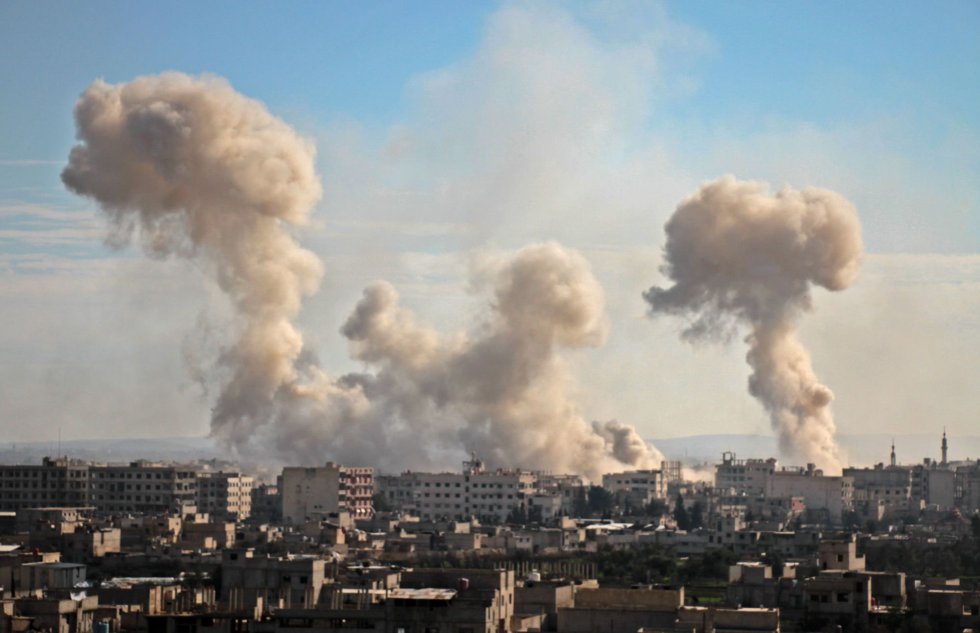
740, 255
501, 389
199, 171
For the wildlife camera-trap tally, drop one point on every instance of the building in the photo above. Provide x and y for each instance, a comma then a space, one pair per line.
832, 495
248, 579
493, 496
890, 486
321, 491
55, 482
225, 495
743, 476
142, 486
638, 487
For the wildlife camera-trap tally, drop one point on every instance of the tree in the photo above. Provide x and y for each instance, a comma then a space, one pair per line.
380, 503
580, 505
656, 508
600, 500
517, 515
680, 514
696, 517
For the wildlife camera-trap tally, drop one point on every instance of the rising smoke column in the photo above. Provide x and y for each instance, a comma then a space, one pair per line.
740, 255
506, 380
199, 171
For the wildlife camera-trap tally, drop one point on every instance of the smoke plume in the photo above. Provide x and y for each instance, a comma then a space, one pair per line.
198, 171
507, 381
740, 255
501, 390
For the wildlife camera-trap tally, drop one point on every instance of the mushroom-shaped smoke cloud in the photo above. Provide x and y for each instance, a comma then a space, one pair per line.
199, 171
738, 254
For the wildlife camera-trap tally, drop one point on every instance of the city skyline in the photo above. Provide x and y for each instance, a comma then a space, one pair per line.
516, 124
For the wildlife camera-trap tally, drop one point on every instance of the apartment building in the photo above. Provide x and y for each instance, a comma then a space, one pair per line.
137, 487
316, 492
54, 482
743, 476
226, 496
491, 496
142, 487
639, 486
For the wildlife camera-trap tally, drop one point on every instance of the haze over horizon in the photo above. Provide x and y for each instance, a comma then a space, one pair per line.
576, 128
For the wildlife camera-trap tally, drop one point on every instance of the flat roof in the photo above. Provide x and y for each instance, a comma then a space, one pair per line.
55, 565
427, 593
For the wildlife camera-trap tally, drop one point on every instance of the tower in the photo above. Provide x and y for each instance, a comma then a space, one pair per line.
893, 452
945, 446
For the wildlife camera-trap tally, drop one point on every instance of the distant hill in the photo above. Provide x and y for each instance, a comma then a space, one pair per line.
862, 450
114, 450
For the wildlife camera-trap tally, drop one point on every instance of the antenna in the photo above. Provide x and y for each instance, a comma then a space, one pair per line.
59, 443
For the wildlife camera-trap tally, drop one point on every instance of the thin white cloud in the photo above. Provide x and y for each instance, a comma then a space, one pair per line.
28, 162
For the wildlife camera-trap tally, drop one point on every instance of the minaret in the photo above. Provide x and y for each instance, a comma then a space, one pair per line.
945, 446
893, 451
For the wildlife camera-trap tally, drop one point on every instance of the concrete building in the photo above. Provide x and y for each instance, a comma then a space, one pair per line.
834, 495
491, 496
621, 610
86, 545
266, 504
743, 476
839, 555
890, 486
142, 486
839, 598
763, 478
637, 487
225, 495
49, 576
135, 487
55, 482
249, 580
318, 492
50, 614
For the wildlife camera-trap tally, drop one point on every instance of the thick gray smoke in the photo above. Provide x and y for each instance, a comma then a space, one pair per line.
199, 171
738, 254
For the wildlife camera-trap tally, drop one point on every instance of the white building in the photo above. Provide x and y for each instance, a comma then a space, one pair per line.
639, 486
743, 476
491, 496
832, 494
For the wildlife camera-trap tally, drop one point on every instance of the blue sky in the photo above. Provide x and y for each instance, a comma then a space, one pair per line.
582, 122
912, 69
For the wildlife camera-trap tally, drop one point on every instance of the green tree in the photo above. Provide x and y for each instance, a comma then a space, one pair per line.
696, 516
656, 508
580, 505
600, 500
517, 515
380, 503
680, 514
